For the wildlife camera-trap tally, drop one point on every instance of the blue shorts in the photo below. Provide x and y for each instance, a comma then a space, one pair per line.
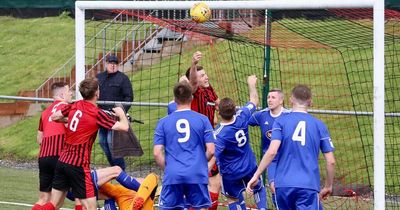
184, 195
234, 188
288, 198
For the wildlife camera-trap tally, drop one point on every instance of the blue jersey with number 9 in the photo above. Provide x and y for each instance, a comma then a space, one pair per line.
302, 137
184, 134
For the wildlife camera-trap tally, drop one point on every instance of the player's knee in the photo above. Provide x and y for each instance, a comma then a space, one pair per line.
116, 170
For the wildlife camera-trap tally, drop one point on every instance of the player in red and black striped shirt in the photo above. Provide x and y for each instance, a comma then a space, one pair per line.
51, 138
84, 119
205, 101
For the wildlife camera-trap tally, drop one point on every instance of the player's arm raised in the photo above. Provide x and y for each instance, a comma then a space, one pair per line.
252, 82
193, 71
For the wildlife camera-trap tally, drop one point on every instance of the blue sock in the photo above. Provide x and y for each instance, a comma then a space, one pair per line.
240, 204
109, 204
237, 205
128, 181
260, 197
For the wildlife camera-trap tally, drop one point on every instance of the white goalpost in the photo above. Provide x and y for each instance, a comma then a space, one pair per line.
378, 53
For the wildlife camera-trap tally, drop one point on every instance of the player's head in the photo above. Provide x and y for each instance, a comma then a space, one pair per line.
60, 90
89, 88
301, 95
227, 108
183, 93
112, 64
275, 99
202, 76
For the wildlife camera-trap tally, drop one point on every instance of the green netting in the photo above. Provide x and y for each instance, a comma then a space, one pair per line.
329, 50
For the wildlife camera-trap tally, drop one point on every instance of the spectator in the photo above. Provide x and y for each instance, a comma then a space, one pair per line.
114, 86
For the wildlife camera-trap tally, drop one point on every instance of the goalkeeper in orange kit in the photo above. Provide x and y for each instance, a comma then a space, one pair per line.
128, 194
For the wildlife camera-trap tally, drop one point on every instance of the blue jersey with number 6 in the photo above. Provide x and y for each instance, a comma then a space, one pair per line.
302, 137
234, 155
184, 134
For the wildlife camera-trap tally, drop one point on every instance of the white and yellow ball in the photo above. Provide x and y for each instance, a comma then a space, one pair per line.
200, 12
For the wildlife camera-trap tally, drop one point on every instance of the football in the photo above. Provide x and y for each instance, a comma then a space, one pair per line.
200, 12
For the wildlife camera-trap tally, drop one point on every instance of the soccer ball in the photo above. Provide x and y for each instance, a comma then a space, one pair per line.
200, 12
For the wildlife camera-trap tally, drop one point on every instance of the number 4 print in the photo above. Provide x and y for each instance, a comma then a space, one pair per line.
299, 133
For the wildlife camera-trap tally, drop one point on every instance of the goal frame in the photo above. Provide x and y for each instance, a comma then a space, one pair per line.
378, 53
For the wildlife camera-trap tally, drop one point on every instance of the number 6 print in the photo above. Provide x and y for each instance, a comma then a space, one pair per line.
75, 120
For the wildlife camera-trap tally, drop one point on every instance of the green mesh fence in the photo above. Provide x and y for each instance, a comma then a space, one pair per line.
329, 50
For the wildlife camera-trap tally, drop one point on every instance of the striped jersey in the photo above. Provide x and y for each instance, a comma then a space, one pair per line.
84, 119
204, 102
53, 138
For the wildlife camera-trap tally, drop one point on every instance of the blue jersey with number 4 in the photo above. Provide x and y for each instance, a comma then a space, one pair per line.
302, 137
232, 148
184, 134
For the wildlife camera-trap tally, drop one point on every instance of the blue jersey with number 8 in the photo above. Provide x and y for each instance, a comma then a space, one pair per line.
184, 134
235, 157
302, 137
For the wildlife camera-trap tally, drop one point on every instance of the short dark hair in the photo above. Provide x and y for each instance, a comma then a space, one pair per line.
198, 68
56, 86
183, 93
277, 90
227, 108
302, 94
88, 88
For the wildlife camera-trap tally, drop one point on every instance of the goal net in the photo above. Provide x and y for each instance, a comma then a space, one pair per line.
330, 50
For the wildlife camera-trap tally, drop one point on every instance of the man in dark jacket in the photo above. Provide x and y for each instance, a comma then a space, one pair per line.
114, 86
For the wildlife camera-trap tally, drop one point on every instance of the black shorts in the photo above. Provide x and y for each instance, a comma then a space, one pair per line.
76, 178
47, 167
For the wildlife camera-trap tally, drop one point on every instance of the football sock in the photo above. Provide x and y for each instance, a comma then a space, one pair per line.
260, 197
109, 204
148, 204
48, 206
238, 205
78, 207
214, 200
147, 186
36, 207
93, 173
128, 181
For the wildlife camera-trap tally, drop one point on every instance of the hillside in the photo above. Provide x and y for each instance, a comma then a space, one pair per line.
31, 49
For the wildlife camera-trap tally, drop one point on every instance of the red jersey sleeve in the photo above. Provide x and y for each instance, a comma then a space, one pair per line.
104, 120
65, 109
